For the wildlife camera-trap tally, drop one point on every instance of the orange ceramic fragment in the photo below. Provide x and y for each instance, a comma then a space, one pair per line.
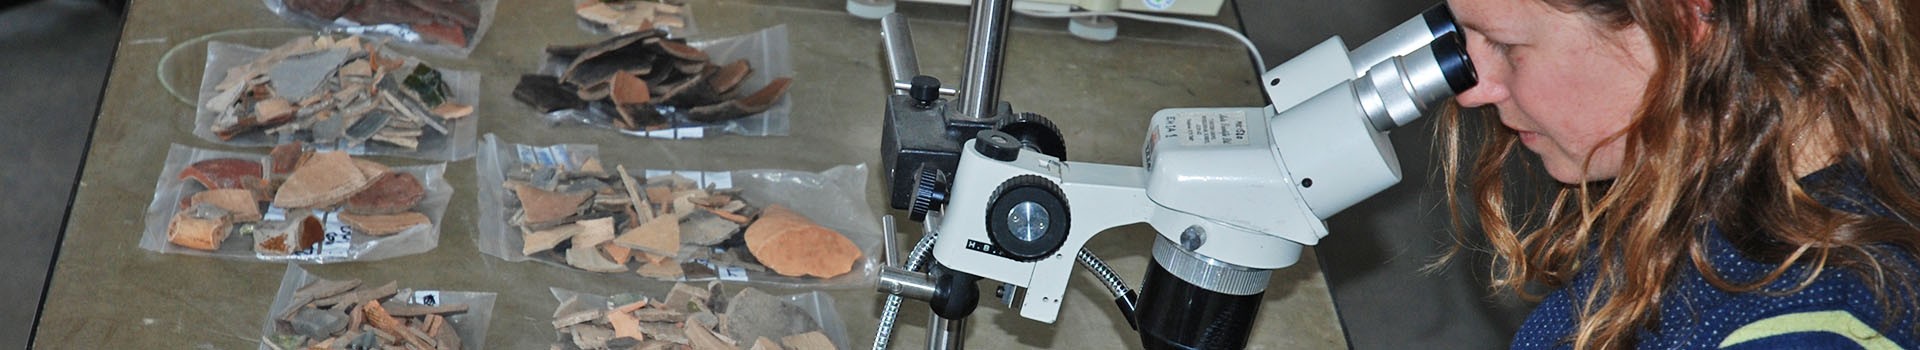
273, 111
450, 110
377, 317
808, 341
287, 157
657, 237
223, 173
445, 33
382, 225
199, 227
322, 181
649, 257
545, 207
794, 246
625, 325
370, 168
766, 344
660, 196
628, 89
617, 253
390, 193
662, 270
702, 338
735, 218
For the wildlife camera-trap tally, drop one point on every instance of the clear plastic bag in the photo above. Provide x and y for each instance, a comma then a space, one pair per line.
470, 324
440, 27
343, 243
834, 198
766, 50
678, 24
815, 304
456, 143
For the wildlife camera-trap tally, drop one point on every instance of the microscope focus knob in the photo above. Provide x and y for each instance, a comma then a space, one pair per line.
924, 90
929, 190
1035, 132
998, 145
1028, 218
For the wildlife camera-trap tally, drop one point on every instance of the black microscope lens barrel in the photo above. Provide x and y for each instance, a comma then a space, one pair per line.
1439, 20
1175, 314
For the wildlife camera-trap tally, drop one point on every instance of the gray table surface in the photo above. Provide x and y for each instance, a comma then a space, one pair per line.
107, 293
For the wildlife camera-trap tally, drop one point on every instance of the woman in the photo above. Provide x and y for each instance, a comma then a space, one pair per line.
1736, 174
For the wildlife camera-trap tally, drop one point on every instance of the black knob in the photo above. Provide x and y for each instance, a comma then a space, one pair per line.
1036, 133
924, 90
1028, 218
929, 190
998, 145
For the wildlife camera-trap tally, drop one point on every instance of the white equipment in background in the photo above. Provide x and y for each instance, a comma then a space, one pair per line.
1092, 27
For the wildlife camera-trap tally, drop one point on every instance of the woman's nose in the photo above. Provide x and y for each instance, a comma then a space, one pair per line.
1487, 92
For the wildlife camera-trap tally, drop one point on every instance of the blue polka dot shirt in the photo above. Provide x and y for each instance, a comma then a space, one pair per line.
1837, 311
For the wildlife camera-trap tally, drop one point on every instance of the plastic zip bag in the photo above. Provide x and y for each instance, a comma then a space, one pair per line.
342, 242
471, 324
616, 17
766, 50
441, 27
834, 198
456, 142
816, 305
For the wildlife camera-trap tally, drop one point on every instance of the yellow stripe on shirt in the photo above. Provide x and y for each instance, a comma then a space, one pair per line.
1837, 322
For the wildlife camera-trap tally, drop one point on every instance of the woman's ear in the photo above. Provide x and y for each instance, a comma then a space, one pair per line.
1699, 15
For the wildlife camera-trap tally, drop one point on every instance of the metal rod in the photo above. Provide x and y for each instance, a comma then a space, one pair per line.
986, 49
901, 86
917, 262
945, 334
902, 63
913, 285
887, 240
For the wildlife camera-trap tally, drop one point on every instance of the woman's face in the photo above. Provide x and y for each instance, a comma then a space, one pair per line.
1563, 81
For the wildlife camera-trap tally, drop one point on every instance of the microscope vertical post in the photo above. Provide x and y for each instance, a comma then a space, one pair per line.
946, 334
986, 49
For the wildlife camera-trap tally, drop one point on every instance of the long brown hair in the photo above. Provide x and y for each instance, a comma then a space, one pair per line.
1738, 89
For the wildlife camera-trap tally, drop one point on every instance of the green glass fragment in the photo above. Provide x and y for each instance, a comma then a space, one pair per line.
426, 82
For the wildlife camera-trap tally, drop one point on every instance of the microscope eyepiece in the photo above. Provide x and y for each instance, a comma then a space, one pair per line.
1399, 90
1450, 53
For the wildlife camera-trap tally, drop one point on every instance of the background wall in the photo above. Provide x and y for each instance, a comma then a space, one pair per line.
1373, 256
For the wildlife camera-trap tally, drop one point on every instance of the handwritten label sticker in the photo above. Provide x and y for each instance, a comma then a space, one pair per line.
732, 274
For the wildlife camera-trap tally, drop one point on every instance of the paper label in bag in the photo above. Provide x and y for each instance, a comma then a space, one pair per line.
717, 179
544, 157
714, 179
425, 297
691, 132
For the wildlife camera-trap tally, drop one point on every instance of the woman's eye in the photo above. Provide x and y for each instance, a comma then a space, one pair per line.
1498, 47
